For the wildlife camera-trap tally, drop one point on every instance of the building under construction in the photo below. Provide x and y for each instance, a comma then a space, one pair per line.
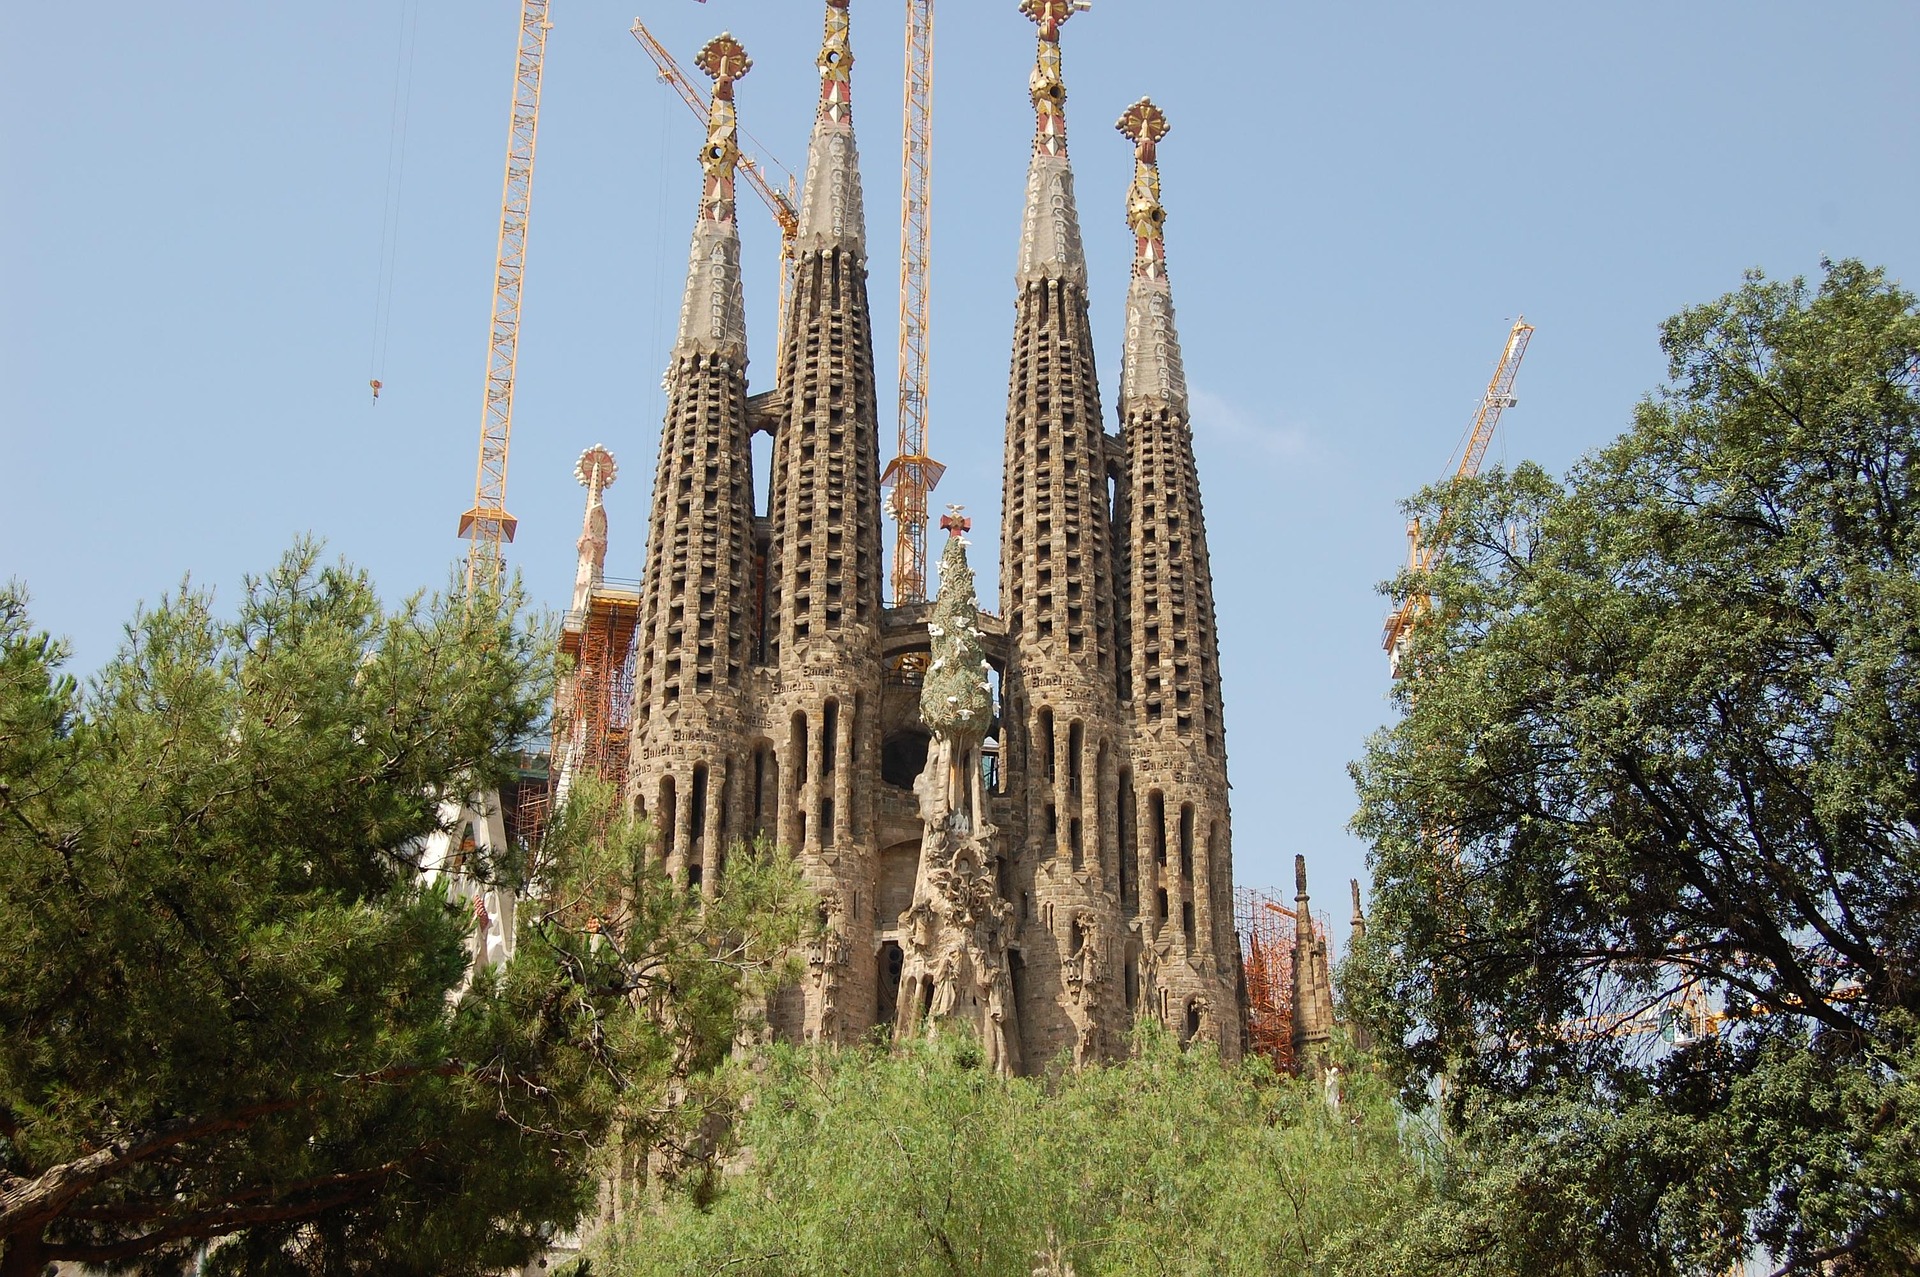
1050, 869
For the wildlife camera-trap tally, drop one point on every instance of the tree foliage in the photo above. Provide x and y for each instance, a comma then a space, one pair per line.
920, 1161
1660, 753
232, 1008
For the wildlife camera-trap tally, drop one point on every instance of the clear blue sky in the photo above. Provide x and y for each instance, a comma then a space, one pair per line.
1361, 197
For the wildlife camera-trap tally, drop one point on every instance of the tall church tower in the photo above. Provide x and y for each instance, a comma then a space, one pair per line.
1184, 854
823, 561
694, 639
1057, 593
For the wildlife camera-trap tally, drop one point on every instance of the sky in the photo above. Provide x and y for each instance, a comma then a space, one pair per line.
223, 225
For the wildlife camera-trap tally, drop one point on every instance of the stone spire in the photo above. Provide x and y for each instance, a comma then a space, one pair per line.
713, 313
1150, 371
1065, 732
694, 635
1173, 659
596, 471
1312, 989
825, 566
830, 208
1050, 235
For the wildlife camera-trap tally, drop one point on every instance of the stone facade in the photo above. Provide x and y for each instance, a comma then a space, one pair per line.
1046, 864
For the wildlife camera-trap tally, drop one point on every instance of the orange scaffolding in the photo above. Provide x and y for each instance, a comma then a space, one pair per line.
594, 702
1267, 930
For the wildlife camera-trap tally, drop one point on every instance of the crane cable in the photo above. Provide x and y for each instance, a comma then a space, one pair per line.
400, 111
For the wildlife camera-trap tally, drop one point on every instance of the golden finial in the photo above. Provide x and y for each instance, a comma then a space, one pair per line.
1047, 87
724, 61
1145, 124
836, 64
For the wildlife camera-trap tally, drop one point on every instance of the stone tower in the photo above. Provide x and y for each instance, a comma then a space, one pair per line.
1015, 824
694, 640
1184, 903
1065, 728
822, 628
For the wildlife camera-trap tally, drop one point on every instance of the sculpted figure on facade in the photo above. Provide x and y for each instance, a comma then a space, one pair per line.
956, 967
827, 960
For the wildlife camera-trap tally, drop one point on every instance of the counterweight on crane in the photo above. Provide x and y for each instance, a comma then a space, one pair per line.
488, 524
1422, 553
913, 474
778, 202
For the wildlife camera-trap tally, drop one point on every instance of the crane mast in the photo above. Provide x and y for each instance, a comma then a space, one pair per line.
778, 202
1421, 553
913, 474
488, 524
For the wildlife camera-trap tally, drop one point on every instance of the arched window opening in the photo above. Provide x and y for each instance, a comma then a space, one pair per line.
903, 756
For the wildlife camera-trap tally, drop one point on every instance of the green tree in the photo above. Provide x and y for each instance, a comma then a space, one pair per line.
920, 1161
233, 1011
1660, 753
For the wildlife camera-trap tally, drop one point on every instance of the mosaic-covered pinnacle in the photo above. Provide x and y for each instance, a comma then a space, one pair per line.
956, 699
1047, 87
724, 61
1152, 375
836, 65
1050, 246
1145, 124
713, 313
596, 471
832, 213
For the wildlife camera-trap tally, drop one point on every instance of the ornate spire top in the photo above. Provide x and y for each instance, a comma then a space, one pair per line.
1152, 374
1050, 237
836, 65
713, 314
832, 211
1048, 88
1145, 124
596, 471
724, 61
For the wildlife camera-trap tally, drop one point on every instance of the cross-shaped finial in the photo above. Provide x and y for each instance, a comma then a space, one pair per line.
1145, 123
723, 59
954, 522
1049, 14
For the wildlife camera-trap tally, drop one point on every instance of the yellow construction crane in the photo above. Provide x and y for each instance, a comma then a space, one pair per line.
913, 474
780, 203
488, 524
1421, 554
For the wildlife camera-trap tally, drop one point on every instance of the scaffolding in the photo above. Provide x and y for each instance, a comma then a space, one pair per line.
593, 705
1267, 930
